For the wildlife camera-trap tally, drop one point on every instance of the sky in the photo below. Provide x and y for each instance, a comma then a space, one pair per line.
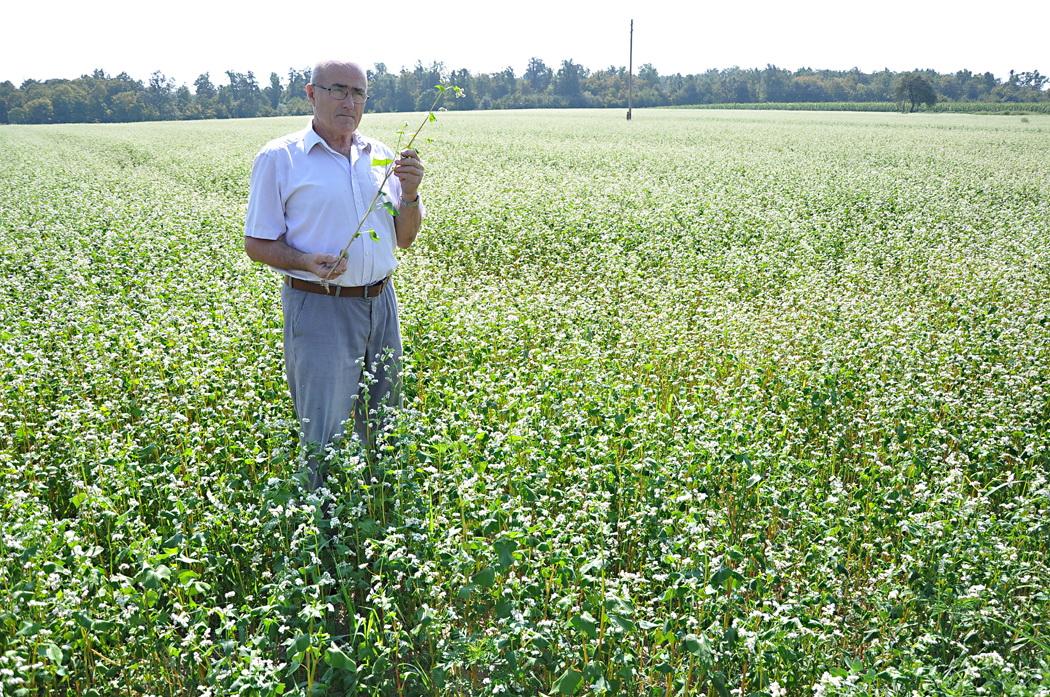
65, 39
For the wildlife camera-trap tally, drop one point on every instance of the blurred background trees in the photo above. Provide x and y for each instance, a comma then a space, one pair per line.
99, 97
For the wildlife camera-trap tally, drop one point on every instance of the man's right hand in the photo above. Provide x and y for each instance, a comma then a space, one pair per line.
325, 266
278, 254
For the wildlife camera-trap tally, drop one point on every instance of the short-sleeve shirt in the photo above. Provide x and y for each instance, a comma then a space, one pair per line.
313, 197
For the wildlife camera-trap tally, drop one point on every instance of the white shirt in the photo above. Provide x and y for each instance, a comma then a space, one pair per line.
313, 196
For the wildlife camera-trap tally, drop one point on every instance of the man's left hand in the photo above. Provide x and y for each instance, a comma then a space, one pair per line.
409, 169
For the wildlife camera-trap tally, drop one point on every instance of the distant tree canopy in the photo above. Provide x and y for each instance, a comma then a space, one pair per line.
913, 89
99, 97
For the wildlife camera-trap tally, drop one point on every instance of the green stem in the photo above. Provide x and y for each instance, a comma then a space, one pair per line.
389, 171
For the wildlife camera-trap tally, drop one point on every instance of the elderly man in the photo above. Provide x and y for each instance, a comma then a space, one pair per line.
309, 190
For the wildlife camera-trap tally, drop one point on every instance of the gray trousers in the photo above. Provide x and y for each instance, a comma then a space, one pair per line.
335, 350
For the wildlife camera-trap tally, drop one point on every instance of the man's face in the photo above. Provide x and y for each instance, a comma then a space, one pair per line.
338, 115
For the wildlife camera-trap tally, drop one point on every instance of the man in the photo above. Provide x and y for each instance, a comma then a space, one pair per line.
308, 192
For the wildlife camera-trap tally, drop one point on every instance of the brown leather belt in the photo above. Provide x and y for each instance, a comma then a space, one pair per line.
337, 291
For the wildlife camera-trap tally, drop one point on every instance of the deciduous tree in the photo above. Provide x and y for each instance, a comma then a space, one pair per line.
914, 89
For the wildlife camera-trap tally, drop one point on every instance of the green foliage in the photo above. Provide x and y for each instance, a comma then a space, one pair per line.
762, 412
101, 98
913, 89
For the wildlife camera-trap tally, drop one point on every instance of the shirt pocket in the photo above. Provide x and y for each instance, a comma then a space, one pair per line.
378, 173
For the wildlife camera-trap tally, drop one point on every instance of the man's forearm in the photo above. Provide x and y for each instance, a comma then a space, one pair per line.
406, 225
275, 253
278, 254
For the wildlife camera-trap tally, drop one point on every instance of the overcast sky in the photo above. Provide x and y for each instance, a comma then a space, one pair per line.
184, 38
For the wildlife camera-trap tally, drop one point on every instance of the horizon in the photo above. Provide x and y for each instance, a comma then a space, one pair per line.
220, 77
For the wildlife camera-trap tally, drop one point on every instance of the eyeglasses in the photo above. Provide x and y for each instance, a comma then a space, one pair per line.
341, 92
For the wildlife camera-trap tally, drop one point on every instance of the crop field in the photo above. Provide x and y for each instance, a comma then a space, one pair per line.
1002, 108
709, 403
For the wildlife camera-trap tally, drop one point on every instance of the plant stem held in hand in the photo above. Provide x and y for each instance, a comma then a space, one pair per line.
389, 164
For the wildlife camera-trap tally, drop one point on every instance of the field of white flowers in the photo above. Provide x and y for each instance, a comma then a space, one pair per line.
709, 403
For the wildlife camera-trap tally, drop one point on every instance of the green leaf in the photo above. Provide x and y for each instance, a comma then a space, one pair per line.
168, 553
53, 653
568, 682
431, 117
486, 577
296, 650
719, 681
29, 629
592, 565
505, 551
698, 646
723, 575
339, 660
374, 235
382, 161
586, 624
299, 644
390, 208
148, 578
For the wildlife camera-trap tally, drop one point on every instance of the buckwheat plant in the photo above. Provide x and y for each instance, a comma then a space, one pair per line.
722, 404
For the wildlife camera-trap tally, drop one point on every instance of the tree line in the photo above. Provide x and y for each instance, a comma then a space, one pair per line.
99, 97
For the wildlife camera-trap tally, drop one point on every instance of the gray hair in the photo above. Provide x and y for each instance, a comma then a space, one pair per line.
320, 66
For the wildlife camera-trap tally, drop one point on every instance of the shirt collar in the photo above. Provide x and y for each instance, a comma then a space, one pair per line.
311, 138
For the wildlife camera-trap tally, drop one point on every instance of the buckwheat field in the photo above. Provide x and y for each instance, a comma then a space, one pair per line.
708, 403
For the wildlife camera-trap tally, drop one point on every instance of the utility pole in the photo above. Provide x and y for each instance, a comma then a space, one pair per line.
630, 72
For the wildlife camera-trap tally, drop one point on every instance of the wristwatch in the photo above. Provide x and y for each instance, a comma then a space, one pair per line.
410, 204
